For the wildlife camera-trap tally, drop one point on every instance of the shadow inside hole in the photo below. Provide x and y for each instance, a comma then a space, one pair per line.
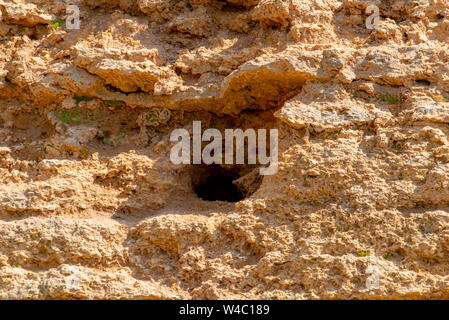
230, 184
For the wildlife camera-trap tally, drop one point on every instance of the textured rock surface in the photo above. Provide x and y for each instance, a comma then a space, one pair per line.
92, 207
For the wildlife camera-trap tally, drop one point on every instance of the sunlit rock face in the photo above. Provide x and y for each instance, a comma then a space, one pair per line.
92, 207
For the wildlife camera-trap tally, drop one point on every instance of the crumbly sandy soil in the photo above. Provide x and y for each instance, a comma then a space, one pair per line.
92, 207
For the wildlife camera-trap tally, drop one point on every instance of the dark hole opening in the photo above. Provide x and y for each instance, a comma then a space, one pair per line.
230, 184
219, 187
423, 82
